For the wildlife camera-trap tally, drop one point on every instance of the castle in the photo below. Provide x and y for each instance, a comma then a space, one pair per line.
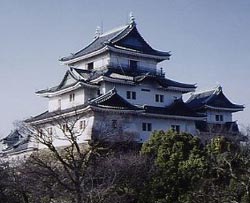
113, 87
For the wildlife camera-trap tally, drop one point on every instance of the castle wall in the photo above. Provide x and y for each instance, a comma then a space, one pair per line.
131, 126
145, 93
211, 116
62, 102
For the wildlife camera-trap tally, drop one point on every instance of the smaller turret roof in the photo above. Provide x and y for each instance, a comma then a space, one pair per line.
213, 99
177, 108
112, 100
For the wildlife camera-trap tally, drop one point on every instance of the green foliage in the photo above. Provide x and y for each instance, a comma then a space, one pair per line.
171, 167
180, 162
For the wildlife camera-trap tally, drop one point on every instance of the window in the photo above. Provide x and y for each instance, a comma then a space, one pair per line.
146, 126
145, 90
131, 95
65, 128
40, 132
82, 124
90, 66
72, 97
133, 64
114, 124
49, 130
98, 92
159, 98
175, 128
59, 104
219, 117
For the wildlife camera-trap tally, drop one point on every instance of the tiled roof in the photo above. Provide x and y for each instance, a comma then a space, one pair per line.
178, 108
64, 84
126, 37
12, 138
214, 98
164, 82
48, 114
112, 100
14, 141
140, 77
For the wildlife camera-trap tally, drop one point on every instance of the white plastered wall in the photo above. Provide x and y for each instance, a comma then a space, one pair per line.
142, 97
62, 102
132, 124
99, 61
211, 116
123, 60
59, 136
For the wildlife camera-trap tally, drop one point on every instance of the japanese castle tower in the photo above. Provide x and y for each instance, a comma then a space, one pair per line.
113, 86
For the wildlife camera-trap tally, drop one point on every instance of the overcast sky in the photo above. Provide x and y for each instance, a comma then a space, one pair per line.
209, 42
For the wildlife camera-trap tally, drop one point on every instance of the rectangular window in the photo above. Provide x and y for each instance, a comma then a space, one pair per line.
98, 92
145, 90
59, 104
131, 95
72, 97
219, 118
82, 124
133, 64
149, 125
90, 66
159, 98
49, 130
175, 128
146, 126
65, 128
114, 124
128, 95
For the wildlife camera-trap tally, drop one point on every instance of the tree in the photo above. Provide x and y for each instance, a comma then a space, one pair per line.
66, 165
179, 163
69, 165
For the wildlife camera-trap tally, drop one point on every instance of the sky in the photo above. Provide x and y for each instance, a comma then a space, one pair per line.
209, 42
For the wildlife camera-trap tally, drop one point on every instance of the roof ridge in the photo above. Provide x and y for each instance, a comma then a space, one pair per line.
130, 26
109, 94
116, 29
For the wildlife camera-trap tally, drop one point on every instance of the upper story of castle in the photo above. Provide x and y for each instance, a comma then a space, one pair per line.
121, 48
120, 59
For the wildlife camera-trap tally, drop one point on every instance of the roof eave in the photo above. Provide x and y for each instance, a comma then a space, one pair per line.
136, 53
241, 108
65, 90
175, 116
79, 58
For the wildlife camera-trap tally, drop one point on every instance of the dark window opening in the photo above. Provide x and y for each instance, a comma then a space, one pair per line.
145, 90
71, 97
131, 95
128, 95
90, 66
219, 117
83, 124
146, 126
114, 124
159, 98
133, 64
175, 128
